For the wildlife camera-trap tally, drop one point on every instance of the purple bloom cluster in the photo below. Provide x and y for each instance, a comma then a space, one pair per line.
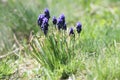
71, 31
54, 20
47, 13
79, 27
40, 19
45, 25
61, 22
43, 22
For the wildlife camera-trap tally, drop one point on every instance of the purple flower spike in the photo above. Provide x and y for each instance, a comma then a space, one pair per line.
45, 25
63, 18
71, 31
59, 23
40, 19
79, 27
65, 27
47, 13
54, 20
45, 21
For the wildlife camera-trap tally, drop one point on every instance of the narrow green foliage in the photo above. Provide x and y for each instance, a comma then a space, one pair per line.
54, 51
5, 70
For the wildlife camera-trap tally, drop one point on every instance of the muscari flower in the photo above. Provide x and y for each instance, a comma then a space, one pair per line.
59, 23
79, 27
54, 20
45, 25
64, 27
63, 18
40, 19
47, 13
71, 31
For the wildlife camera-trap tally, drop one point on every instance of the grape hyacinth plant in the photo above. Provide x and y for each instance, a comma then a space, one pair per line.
40, 19
62, 17
47, 13
64, 26
45, 25
55, 50
43, 21
59, 23
54, 20
71, 31
79, 27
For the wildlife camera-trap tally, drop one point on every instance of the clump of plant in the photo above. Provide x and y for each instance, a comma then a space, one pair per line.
5, 70
55, 49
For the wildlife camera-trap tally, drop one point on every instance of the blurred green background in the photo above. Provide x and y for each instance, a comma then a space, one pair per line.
100, 20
